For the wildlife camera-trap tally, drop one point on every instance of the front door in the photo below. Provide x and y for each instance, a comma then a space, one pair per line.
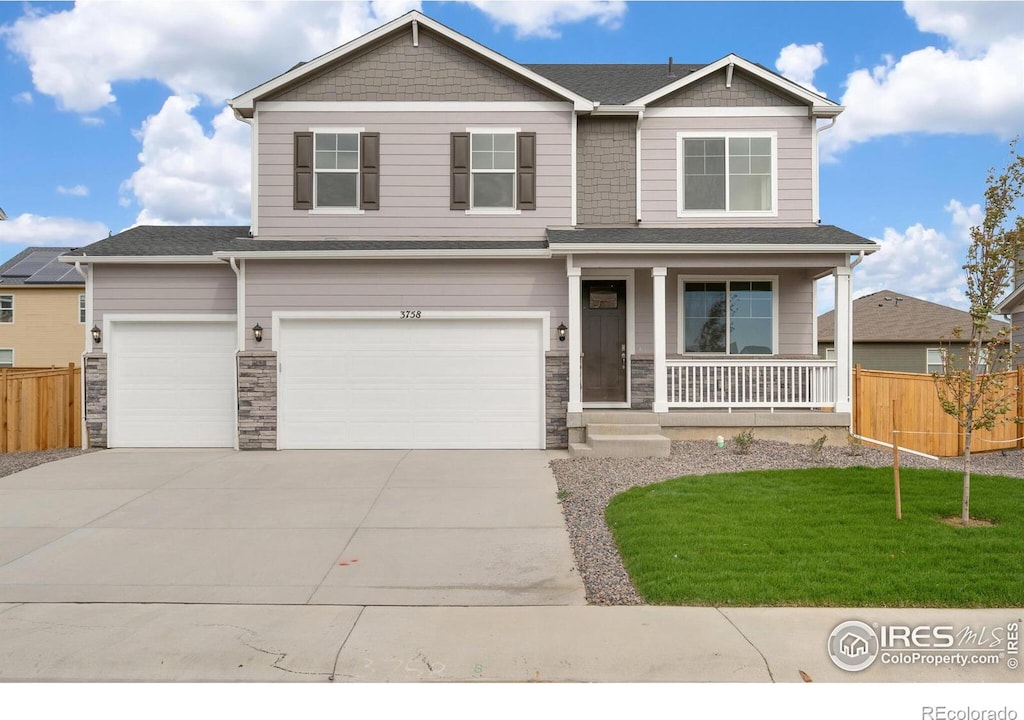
604, 341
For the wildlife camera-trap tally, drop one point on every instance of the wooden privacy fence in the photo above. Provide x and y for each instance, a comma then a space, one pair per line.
40, 409
919, 417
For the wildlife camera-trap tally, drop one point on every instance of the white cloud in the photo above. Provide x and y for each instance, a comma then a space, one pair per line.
800, 62
31, 229
92, 120
186, 176
76, 190
218, 50
920, 261
23, 98
974, 87
541, 19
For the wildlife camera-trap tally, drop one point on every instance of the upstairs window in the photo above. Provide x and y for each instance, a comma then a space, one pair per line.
81, 308
493, 169
728, 173
6, 308
336, 170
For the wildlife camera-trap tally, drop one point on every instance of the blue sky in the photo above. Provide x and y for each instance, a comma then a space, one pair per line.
113, 114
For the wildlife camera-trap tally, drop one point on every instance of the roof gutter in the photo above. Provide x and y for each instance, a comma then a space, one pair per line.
558, 249
139, 259
375, 254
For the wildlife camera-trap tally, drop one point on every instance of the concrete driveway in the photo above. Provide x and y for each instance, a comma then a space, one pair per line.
292, 527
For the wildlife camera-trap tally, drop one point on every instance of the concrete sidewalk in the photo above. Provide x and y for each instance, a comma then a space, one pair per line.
261, 643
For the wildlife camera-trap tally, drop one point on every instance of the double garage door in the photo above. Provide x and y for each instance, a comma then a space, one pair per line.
342, 383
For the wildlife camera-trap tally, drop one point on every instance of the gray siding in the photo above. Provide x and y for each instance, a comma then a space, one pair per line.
606, 171
659, 171
1017, 319
164, 289
396, 70
891, 357
403, 285
712, 92
414, 176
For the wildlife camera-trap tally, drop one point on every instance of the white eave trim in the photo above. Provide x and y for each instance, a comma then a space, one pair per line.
412, 106
140, 259
378, 254
703, 249
812, 99
246, 100
617, 109
1011, 301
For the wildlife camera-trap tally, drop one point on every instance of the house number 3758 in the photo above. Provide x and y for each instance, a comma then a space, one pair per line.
411, 314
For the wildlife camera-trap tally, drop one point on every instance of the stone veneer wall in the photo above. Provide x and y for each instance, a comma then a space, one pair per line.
96, 399
641, 381
556, 389
257, 400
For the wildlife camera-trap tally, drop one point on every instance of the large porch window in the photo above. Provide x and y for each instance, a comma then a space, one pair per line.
730, 317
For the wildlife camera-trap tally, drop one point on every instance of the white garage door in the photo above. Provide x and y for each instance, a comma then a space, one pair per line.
172, 384
428, 383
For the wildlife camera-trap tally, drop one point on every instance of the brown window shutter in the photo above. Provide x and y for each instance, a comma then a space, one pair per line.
526, 170
369, 171
460, 171
303, 194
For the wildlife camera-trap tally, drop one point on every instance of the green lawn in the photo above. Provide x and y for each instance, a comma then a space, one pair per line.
822, 537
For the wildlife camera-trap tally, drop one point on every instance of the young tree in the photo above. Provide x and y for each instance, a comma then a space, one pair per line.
970, 388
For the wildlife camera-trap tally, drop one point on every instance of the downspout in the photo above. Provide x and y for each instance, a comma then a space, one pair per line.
816, 203
639, 123
87, 276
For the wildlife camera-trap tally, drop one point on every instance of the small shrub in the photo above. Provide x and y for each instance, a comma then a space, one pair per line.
563, 495
853, 446
744, 441
816, 447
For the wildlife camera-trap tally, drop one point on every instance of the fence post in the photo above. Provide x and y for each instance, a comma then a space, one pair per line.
896, 459
3, 410
857, 426
1020, 407
69, 416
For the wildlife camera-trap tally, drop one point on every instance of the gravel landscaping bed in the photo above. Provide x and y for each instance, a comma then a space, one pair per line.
11, 463
587, 484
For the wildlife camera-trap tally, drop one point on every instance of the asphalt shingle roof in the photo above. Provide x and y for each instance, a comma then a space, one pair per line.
815, 235
613, 84
879, 318
39, 266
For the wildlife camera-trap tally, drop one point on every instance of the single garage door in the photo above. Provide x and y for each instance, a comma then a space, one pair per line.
427, 383
172, 384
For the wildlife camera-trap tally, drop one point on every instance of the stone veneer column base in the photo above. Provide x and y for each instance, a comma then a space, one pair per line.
556, 390
257, 400
96, 399
641, 383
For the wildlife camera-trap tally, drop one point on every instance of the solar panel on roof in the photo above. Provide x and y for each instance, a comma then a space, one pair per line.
54, 272
30, 265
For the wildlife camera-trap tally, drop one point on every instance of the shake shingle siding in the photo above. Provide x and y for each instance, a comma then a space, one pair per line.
606, 171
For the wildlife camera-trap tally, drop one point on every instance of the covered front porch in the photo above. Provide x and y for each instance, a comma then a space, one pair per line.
703, 341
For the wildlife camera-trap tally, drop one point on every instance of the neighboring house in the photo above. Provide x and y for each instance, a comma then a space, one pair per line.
896, 332
42, 310
1013, 307
451, 249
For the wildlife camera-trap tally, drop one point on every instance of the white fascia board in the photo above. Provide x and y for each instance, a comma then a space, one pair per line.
141, 259
1011, 301
617, 110
378, 254
732, 111
812, 99
412, 106
246, 100
702, 249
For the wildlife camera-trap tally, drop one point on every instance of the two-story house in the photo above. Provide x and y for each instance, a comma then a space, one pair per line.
449, 249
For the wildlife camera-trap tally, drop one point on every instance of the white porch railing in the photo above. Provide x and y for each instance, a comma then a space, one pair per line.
761, 383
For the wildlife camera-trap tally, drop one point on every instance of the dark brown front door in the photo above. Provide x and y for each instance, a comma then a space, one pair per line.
604, 340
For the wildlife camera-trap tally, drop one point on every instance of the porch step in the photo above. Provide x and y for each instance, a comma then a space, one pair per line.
622, 444
619, 417
603, 429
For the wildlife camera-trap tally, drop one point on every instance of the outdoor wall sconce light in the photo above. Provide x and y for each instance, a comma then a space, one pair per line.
257, 332
96, 335
561, 332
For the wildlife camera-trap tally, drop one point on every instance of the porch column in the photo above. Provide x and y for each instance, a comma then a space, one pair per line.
660, 379
844, 338
575, 340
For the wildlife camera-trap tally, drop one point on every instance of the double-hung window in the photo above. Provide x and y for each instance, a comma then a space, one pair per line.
935, 360
493, 170
6, 308
81, 308
337, 170
731, 317
731, 173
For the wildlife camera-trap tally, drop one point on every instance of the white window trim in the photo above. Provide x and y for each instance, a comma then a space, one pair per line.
941, 363
514, 210
684, 213
11, 322
81, 309
681, 281
333, 130
12, 358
